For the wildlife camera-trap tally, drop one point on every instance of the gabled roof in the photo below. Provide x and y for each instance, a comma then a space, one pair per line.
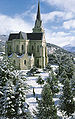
20, 35
34, 36
13, 36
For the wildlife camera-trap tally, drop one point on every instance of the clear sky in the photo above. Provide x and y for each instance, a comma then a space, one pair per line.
58, 18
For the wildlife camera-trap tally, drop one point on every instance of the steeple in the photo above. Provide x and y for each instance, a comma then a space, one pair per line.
38, 12
38, 23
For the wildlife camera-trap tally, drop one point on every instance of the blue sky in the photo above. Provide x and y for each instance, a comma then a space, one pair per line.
58, 18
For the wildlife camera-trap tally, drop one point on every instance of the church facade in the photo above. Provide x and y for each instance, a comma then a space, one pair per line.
26, 50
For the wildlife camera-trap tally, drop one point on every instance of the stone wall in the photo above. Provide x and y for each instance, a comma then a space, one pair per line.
22, 62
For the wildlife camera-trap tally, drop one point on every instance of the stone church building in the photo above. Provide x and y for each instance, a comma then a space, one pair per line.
26, 50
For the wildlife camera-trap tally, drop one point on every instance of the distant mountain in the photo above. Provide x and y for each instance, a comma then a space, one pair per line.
54, 49
56, 54
70, 48
3, 38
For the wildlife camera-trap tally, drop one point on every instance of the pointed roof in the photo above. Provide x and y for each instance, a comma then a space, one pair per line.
20, 35
38, 12
38, 23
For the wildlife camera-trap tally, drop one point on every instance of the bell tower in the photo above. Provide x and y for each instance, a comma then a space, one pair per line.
38, 23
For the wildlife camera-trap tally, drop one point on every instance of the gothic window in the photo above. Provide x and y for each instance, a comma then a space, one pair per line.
22, 48
24, 61
38, 48
32, 47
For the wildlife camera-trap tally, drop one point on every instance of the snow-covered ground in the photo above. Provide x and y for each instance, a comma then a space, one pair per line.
31, 99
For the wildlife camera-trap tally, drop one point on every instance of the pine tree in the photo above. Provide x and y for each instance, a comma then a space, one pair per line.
72, 81
6, 84
19, 98
1, 95
53, 82
66, 99
46, 108
66, 64
40, 80
63, 76
8, 110
7, 65
12, 94
3, 80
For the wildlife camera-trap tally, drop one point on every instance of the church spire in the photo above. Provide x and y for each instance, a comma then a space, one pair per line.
38, 23
38, 12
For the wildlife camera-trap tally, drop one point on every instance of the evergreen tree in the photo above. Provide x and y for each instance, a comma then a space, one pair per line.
40, 80
8, 110
53, 82
4, 77
66, 64
20, 94
63, 76
1, 95
12, 95
46, 108
72, 81
6, 84
7, 65
66, 100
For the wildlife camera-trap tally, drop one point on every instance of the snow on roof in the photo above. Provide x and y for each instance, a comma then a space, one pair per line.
20, 56
2, 52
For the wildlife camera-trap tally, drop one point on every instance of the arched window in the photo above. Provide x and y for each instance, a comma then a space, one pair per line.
22, 48
32, 47
24, 61
38, 48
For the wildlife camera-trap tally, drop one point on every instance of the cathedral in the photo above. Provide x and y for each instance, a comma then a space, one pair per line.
26, 50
